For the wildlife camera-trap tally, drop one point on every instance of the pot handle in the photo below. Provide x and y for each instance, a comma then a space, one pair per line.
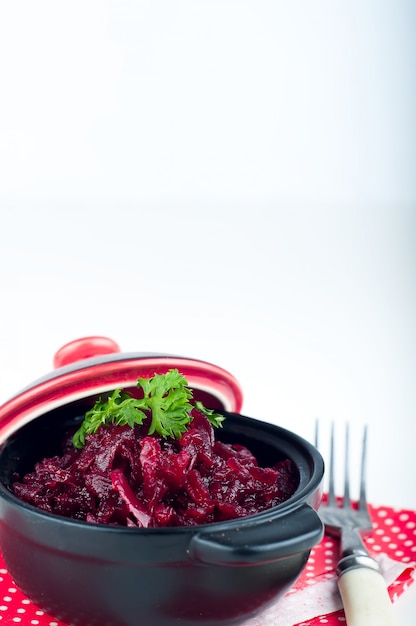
262, 541
84, 348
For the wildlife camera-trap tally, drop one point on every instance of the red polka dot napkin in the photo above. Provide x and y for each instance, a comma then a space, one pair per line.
313, 601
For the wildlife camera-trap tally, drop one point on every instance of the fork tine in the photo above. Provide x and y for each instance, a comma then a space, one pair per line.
331, 486
347, 499
362, 503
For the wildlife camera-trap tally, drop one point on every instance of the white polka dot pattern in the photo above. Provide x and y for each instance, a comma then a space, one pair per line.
393, 538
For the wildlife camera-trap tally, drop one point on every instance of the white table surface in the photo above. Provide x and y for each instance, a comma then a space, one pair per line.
231, 181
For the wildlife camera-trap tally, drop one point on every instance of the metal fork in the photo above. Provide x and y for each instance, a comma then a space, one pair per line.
362, 587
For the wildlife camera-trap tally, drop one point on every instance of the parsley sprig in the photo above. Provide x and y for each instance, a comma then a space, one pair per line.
166, 401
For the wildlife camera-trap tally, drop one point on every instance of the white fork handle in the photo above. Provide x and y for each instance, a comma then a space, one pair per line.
365, 598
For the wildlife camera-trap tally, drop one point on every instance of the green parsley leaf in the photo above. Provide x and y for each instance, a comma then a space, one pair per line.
215, 418
166, 401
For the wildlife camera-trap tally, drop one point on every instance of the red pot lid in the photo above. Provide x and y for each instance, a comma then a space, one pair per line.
93, 365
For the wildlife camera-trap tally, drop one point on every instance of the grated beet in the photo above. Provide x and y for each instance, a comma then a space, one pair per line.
123, 476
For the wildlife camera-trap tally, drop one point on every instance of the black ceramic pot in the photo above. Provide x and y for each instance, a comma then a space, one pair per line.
89, 574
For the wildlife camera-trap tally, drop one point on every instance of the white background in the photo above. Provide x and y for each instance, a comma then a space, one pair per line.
228, 180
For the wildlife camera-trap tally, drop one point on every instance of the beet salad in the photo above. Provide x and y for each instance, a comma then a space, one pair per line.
154, 461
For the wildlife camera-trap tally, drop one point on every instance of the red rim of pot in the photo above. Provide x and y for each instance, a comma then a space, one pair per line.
93, 365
